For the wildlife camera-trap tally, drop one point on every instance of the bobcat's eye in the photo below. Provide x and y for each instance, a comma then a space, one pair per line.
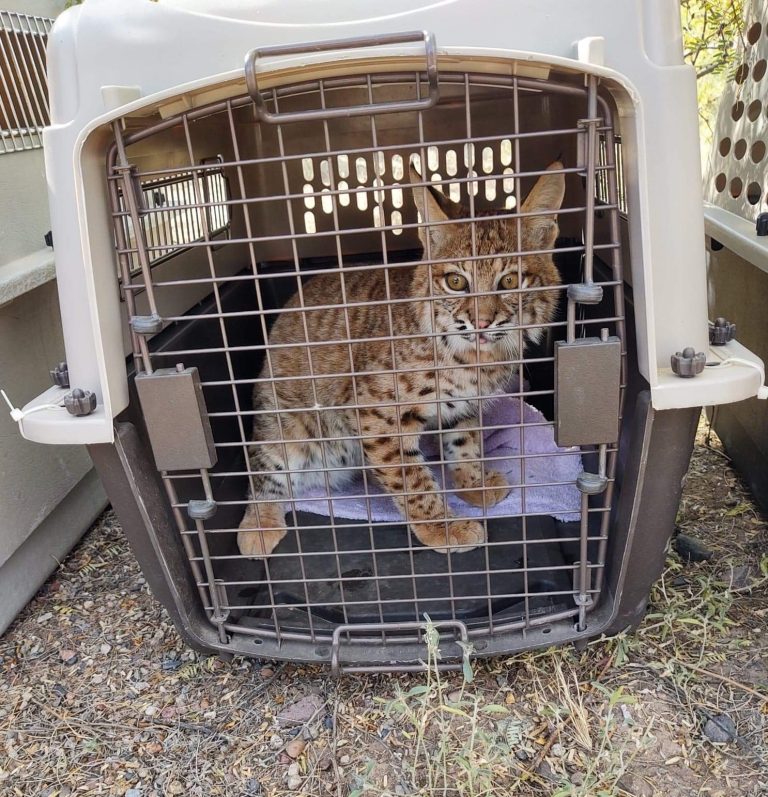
508, 282
456, 281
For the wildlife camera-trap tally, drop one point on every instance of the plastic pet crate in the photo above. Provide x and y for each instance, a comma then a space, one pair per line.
214, 222
737, 236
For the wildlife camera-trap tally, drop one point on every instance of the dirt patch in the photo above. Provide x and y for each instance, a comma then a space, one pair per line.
102, 698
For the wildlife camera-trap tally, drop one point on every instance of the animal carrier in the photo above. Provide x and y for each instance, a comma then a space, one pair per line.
737, 225
461, 272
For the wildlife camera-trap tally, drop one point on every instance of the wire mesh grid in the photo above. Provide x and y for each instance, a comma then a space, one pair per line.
325, 404
23, 80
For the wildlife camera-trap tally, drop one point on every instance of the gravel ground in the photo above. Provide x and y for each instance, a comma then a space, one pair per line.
102, 698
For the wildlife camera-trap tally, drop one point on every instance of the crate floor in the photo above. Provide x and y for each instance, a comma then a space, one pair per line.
353, 576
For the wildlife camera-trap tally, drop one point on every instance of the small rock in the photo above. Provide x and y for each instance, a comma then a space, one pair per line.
558, 750
325, 761
293, 769
740, 576
252, 788
328, 722
266, 672
284, 758
150, 711
104, 649
69, 657
637, 787
691, 549
577, 778
44, 618
455, 696
344, 760
275, 741
295, 747
170, 665
521, 755
175, 787
88, 604
133, 793
293, 782
301, 711
720, 729
168, 713
545, 770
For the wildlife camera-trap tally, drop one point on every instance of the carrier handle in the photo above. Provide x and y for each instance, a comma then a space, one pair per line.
430, 48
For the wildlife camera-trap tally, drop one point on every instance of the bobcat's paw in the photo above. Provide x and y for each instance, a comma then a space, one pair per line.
258, 544
496, 489
461, 535
255, 542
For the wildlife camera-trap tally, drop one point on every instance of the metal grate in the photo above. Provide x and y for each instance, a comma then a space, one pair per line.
23, 82
321, 198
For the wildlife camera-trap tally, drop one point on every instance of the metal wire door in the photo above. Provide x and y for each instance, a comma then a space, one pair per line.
274, 197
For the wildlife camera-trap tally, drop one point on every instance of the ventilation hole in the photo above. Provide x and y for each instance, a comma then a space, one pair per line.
736, 187
469, 155
362, 200
416, 161
309, 222
753, 112
361, 167
487, 160
344, 196
377, 219
758, 70
754, 192
397, 197
326, 200
753, 34
309, 201
433, 159
308, 169
451, 162
454, 192
741, 73
436, 177
325, 172
758, 151
508, 184
737, 111
398, 170
510, 202
397, 220
725, 146
378, 196
379, 163
474, 186
720, 182
505, 152
740, 149
343, 166
490, 190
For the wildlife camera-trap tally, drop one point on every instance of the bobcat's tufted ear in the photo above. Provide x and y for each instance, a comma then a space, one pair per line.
431, 209
540, 232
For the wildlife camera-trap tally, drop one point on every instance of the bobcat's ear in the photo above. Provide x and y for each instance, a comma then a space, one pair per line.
540, 232
430, 211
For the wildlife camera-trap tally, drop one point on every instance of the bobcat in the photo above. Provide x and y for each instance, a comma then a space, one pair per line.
379, 414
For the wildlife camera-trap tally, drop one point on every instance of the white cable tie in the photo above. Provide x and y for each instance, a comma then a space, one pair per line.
19, 415
762, 391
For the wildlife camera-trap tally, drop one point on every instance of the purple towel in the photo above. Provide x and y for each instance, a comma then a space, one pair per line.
545, 464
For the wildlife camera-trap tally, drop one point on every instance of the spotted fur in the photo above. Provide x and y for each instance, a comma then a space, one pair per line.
333, 408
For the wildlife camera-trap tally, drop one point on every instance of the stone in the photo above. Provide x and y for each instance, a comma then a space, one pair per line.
691, 549
301, 711
69, 657
344, 760
720, 729
293, 783
295, 747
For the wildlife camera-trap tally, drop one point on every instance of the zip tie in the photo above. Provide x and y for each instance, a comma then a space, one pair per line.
762, 391
19, 415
